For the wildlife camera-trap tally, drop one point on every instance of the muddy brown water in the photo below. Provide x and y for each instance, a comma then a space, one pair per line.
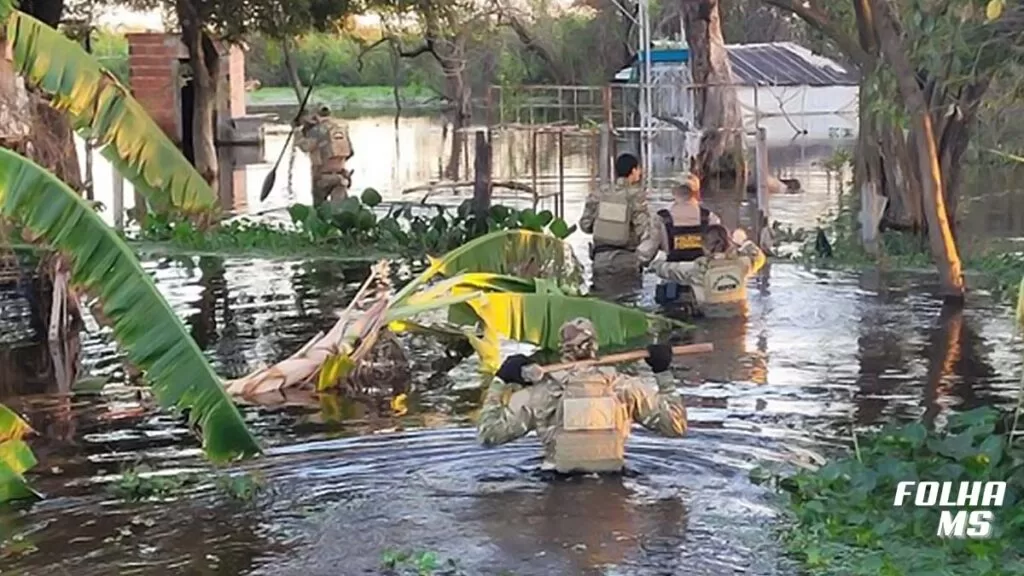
347, 481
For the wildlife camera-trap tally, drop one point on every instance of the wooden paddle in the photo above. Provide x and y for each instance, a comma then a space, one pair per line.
268, 182
632, 356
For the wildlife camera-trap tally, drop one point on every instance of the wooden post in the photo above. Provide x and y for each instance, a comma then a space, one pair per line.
482, 180
118, 203
761, 171
606, 102
604, 153
762, 213
489, 105
140, 208
560, 204
90, 187
534, 169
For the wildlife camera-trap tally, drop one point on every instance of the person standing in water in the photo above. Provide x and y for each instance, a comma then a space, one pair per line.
326, 141
581, 415
678, 233
619, 220
719, 277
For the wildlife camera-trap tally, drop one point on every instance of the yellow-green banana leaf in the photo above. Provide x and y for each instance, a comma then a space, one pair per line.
153, 337
514, 252
15, 457
100, 107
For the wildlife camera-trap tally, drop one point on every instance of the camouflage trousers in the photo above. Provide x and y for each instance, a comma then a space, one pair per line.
330, 186
616, 272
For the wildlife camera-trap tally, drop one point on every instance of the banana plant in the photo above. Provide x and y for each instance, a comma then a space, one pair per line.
144, 324
15, 457
470, 294
483, 306
515, 252
485, 301
103, 109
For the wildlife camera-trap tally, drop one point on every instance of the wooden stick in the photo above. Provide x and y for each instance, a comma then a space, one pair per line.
628, 357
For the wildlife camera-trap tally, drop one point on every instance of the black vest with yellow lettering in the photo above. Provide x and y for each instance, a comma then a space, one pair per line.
685, 243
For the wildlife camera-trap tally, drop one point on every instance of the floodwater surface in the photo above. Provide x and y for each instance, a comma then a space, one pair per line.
347, 481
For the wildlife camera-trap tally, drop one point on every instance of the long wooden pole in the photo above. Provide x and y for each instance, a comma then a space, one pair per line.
628, 357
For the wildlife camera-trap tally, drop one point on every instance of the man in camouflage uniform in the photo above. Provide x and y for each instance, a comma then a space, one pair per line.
619, 220
719, 277
326, 141
581, 415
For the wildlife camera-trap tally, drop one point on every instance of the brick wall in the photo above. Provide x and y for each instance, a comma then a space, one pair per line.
153, 64
236, 81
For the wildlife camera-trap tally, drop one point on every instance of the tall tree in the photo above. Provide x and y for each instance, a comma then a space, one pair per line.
448, 31
721, 158
925, 68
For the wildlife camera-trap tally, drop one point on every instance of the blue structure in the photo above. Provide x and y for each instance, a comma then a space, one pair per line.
659, 56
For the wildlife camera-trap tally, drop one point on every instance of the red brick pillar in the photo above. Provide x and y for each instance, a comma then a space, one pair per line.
153, 64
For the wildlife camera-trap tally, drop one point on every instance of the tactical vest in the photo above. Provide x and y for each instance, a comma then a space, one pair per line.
685, 243
614, 216
334, 143
592, 426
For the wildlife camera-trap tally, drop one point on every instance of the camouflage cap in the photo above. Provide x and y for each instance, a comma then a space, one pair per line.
688, 181
578, 339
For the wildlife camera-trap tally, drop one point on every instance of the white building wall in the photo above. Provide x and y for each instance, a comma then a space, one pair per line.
810, 112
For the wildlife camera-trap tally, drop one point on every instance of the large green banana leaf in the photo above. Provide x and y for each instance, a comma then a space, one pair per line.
15, 457
530, 310
537, 317
144, 324
100, 107
516, 252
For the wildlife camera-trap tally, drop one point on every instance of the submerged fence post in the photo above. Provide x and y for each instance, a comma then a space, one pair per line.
762, 214
761, 170
118, 193
604, 153
482, 180
560, 205
90, 187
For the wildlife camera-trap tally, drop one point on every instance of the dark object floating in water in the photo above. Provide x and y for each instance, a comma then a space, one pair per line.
821, 245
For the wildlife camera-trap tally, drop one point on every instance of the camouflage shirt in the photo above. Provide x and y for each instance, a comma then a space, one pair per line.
535, 407
316, 139
640, 224
748, 257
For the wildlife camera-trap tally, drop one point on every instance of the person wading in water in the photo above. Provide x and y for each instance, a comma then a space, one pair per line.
581, 415
619, 220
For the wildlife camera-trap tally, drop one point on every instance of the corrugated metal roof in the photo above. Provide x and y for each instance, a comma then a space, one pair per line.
769, 64
785, 64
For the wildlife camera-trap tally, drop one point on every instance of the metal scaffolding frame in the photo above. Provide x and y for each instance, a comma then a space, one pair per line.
643, 22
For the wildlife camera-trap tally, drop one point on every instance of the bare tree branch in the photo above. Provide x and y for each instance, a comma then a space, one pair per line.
824, 24
533, 45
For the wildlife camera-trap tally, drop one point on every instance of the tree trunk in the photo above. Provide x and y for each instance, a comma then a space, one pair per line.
953, 135
461, 112
717, 107
929, 170
292, 69
29, 126
205, 62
